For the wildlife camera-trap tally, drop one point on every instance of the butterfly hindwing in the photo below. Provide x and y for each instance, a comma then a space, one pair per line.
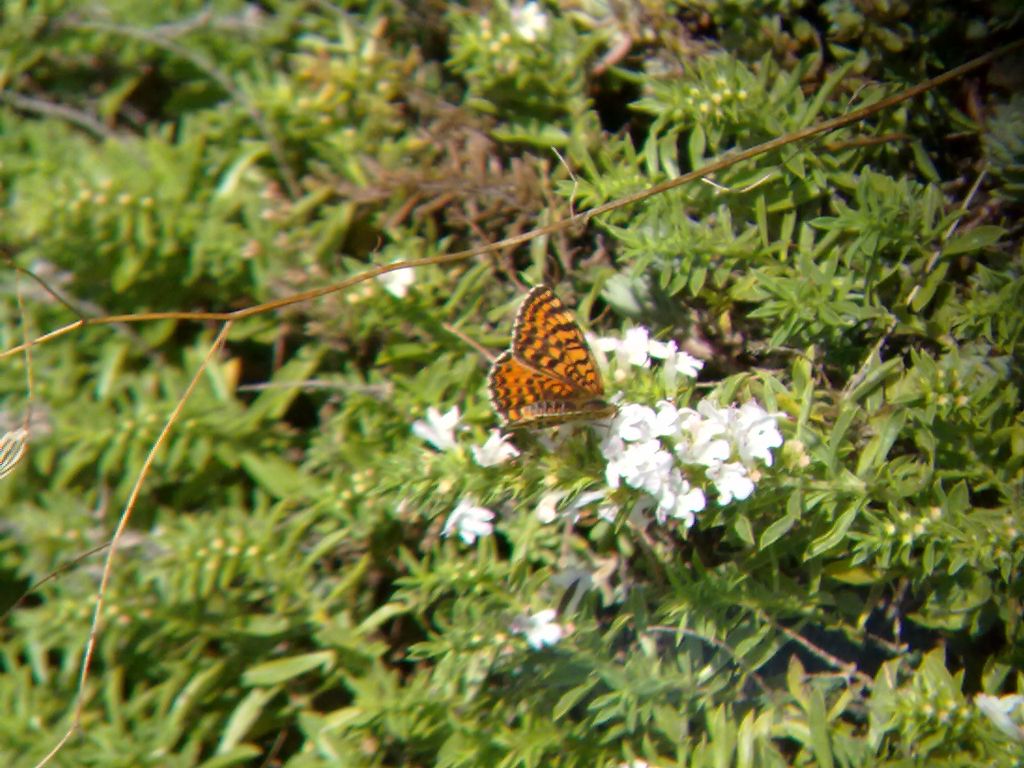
519, 392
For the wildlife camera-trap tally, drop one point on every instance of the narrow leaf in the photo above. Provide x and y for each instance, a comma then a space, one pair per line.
280, 670
834, 536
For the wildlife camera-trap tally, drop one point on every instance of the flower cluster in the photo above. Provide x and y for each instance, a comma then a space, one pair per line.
637, 348
468, 520
718, 91
438, 429
654, 450
529, 21
540, 629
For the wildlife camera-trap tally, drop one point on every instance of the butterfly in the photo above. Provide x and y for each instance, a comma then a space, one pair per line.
548, 376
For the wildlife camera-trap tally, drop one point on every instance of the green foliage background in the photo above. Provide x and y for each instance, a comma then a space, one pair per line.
283, 596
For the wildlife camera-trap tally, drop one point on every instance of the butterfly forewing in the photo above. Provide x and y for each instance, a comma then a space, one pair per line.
547, 337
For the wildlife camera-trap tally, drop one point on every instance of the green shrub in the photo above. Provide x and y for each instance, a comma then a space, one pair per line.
798, 541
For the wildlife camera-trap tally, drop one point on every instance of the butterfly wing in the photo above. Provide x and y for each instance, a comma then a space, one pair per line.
547, 338
524, 396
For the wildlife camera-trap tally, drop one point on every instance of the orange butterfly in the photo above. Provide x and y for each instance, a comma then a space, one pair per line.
549, 375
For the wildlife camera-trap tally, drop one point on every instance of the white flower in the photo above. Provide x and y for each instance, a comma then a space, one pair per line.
397, 282
706, 454
661, 349
636, 347
756, 433
999, 709
495, 451
675, 364
470, 520
438, 429
731, 481
680, 500
641, 465
637, 456
752, 430
685, 364
612, 448
617, 465
638, 516
704, 446
680, 364
650, 449
707, 421
547, 507
604, 343
540, 628
666, 419
529, 21
634, 422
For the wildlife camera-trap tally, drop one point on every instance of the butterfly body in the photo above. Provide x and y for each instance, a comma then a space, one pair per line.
548, 376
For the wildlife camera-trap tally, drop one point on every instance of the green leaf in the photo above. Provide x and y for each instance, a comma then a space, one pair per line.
743, 529
776, 531
266, 625
761, 214
190, 700
876, 451
837, 437
835, 535
974, 240
110, 366
278, 671
875, 378
571, 698
848, 573
126, 272
696, 146
386, 612
243, 754
243, 718
817, 721
276, 476
795, 164
286, 384
931, 284
923, 161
